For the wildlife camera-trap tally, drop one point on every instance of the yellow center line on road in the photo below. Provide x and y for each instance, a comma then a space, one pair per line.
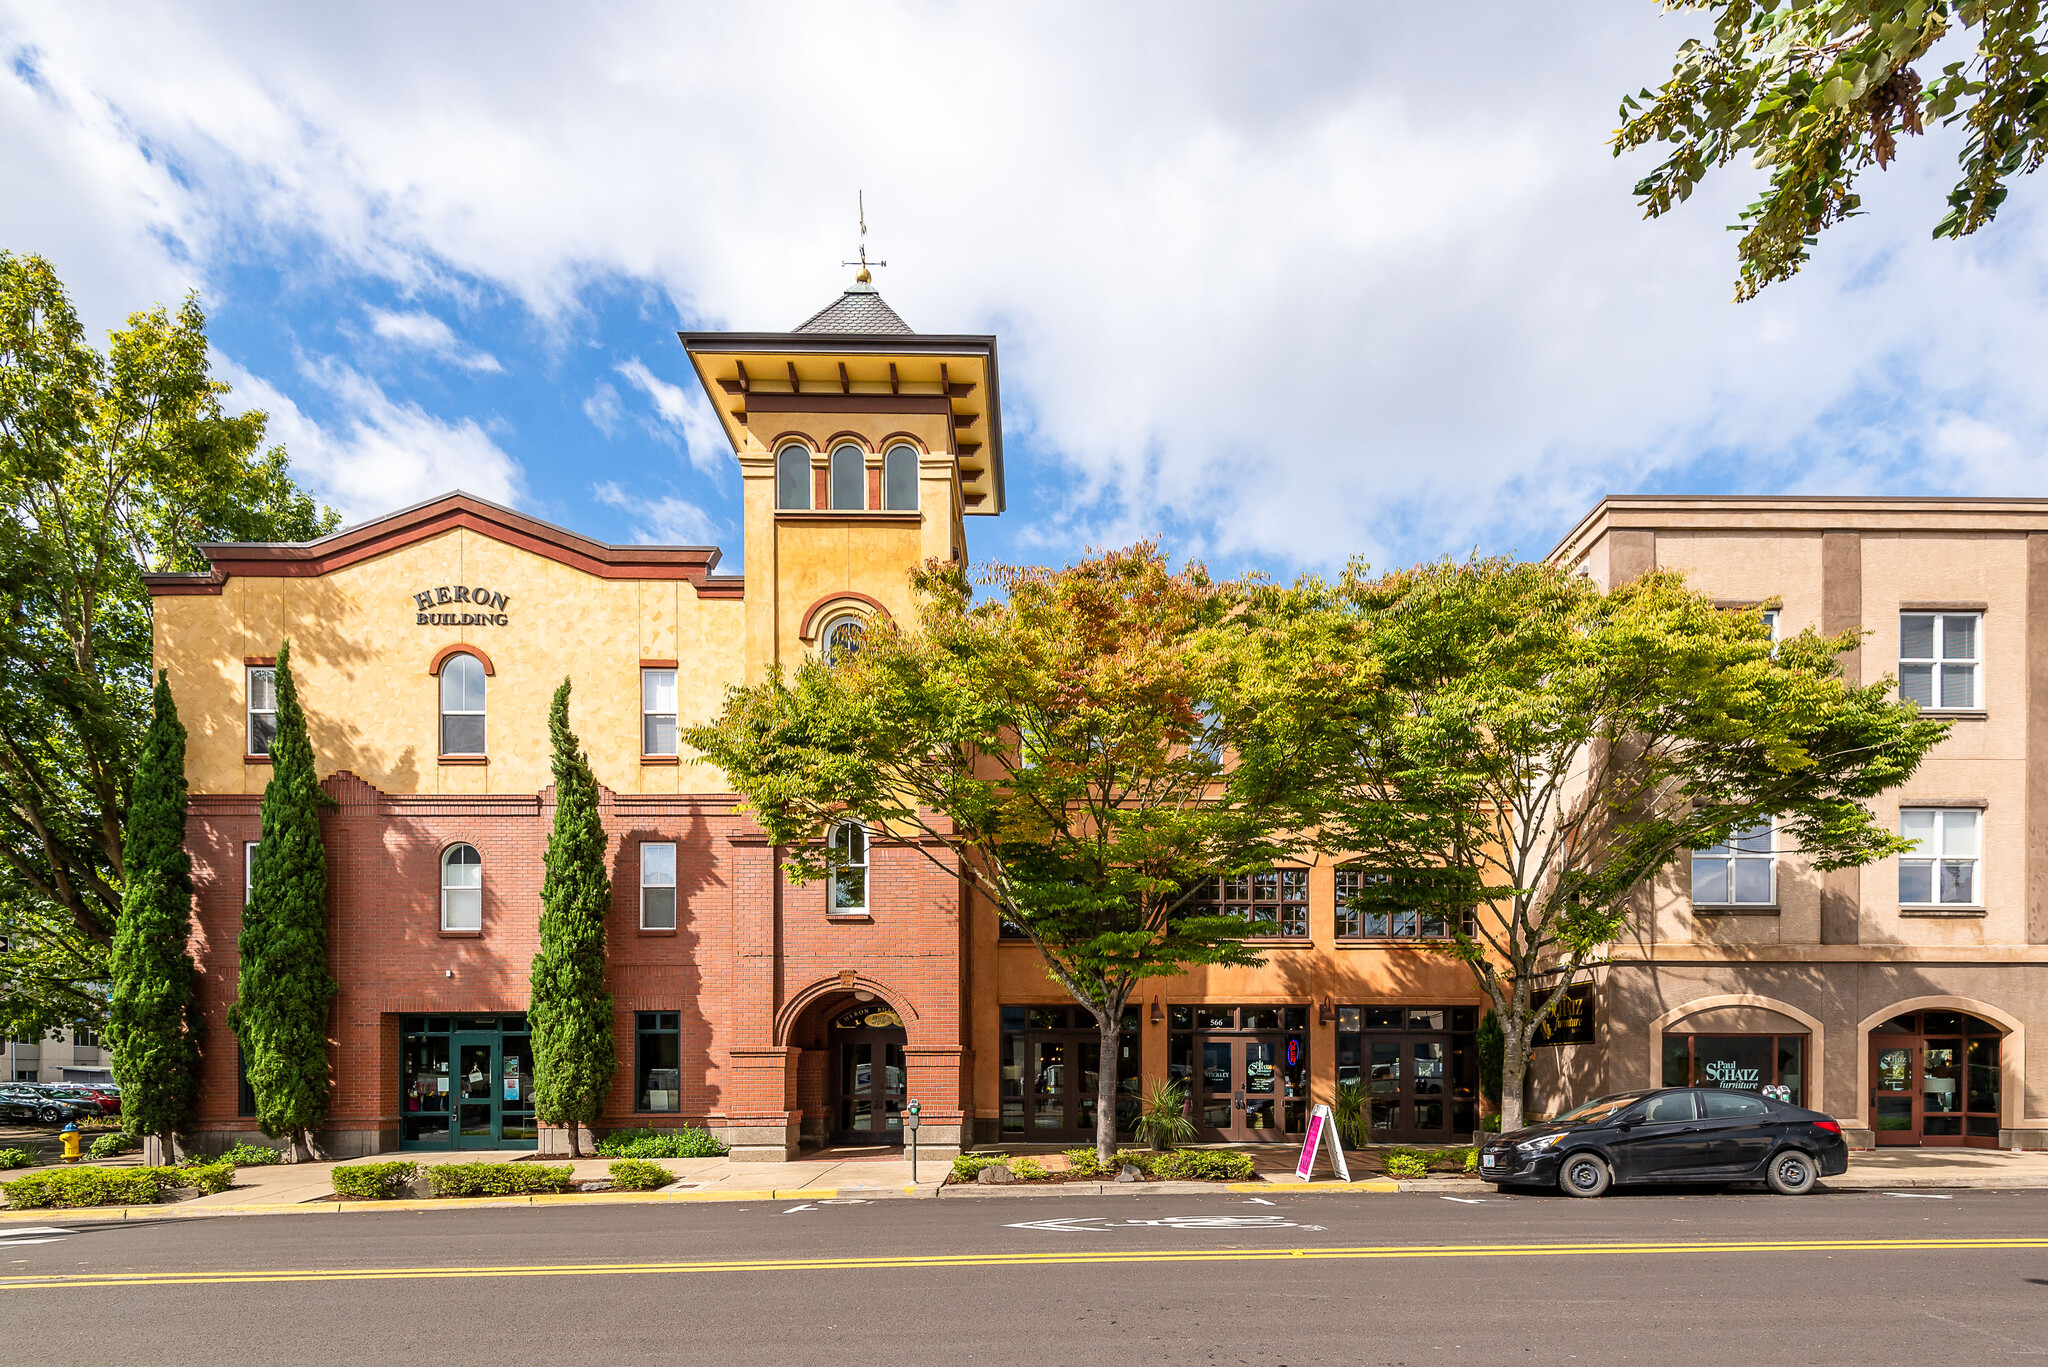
1049, 1258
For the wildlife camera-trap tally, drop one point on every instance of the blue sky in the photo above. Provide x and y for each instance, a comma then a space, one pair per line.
1363, 281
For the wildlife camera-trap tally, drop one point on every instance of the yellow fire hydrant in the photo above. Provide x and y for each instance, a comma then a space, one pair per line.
70, 1133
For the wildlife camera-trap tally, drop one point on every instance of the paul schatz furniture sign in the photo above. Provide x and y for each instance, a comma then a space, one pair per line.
486, 607
1321, 1125
1570, 1021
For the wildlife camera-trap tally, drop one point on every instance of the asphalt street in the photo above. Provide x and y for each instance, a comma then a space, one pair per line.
1699, 1277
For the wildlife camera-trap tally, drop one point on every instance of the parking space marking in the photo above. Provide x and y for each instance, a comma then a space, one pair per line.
1919, 1196
1466, 1200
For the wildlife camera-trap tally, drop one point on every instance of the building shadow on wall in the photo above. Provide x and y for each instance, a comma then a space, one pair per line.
659, 971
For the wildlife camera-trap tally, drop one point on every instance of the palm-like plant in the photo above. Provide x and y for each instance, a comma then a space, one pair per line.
1349, 1113
1164, 1122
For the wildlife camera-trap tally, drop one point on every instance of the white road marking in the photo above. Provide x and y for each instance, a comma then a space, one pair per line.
1919, 1196
1098, 1224
794, 1209
1467, 1200
14, 1235
1257, 1201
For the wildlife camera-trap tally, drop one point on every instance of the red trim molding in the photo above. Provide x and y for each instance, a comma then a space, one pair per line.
256, 759
259, 661
658, 664
842, 596
442, 656
660, 759
465, 759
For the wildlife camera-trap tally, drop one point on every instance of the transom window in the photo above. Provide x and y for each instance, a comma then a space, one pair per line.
846, 890
657, 886
849, 478
899, 479
462, 706
262, 709
462, 888
793, 478
1938, 657
657, 712
1366, 911
1740, 871
1275, 901
1941, 868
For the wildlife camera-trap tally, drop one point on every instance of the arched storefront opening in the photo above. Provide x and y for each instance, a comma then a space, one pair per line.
1935, 1079
1747, 1047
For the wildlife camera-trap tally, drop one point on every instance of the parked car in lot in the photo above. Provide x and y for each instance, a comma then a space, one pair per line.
28, 1101
102, 1097
1672, 1134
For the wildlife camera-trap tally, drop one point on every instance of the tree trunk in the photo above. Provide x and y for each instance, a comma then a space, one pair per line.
1111, 1027
575, 1150
1514, 1069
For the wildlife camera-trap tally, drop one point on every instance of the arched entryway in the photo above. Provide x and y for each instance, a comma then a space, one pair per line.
852, 1068
1937, 1079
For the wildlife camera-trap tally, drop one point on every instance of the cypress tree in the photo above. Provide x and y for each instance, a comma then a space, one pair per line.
571, 1013
153, 1026
280, 1012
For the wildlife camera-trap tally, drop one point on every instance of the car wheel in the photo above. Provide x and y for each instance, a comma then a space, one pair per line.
1584, 1174
48, 1115
1792, 1173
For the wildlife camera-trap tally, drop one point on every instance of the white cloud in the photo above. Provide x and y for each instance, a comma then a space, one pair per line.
666, 521
603, 409
1347, 278
382, 454
685, 411
426, 332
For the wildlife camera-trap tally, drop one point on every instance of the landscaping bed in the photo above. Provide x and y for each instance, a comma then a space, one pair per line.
76, 1187
398, 1181
1202, 1165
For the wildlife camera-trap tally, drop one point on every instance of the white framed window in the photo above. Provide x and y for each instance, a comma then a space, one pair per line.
842, 637
248, 870
462, 888
899, 479
462, 706
849, 478
657, 885
657, 712
1941, 868
1770, 616
793, 478
262, 708
1740, 872
846, 890
1938, 658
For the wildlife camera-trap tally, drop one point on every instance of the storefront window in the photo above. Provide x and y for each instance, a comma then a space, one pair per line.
466, 1082
1741, 1063
1051, 1062
658, 1060
1419, 1066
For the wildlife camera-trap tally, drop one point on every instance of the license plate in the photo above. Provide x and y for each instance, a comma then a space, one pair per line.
1489, 1161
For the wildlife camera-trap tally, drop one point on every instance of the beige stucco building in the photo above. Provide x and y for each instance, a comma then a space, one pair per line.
1904, 997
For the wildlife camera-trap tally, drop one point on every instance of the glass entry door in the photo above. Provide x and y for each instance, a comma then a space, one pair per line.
1237, 1089
1895, 1091
871, 1085
476, 1091
466, 1082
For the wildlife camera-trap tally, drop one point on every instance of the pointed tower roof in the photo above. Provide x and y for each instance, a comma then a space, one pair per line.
859, 310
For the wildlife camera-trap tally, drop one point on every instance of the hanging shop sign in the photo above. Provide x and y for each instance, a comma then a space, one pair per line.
476, 606
1570, 1021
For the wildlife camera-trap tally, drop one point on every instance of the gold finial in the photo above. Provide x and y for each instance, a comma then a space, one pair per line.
862, 277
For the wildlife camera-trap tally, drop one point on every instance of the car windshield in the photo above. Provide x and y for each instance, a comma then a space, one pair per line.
1594, 1111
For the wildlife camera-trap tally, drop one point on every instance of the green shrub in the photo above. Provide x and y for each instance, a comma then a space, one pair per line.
1081, 1163
1407, 1163
1203, 1165
1471, 1160
113, 1145
686, 1142
1450, 1160
636, 1174
1028, 1170
12, 1158
374, 1181
1163, 1122
496, 1179
1490, 1125
1136, 1158
62, 1188
204, 1178
253, 1156
968, 1164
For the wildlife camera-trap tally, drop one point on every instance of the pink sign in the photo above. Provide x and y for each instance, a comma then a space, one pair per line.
1309, 1144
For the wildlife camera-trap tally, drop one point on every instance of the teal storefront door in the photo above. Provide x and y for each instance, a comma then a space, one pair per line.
466, 1082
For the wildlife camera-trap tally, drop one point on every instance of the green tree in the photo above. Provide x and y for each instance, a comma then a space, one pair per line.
1820, 90
112, 465
1062, 748
280, 1012
1546, 747
571, 1012
153, 1025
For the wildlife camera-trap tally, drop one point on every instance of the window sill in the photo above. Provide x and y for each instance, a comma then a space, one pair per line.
847, 917
830, 514
1956, 713
462, 934
660, 759
1721, 909
255, 759
465, 759
1940, 913
1301, 940
657, 930
1392, 941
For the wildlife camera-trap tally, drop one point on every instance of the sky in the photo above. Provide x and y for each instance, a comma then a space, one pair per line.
1280, 285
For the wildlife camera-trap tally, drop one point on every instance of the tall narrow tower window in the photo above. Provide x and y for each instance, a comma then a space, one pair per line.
849, 475
793, 478
899, 479
462, 706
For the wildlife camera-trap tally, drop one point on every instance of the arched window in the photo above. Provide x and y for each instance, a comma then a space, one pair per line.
899, 479
849, 478
846, 891
841, 638
462, 888
793, 478
462, 705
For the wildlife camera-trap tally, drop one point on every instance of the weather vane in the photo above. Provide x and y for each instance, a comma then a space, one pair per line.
863, 277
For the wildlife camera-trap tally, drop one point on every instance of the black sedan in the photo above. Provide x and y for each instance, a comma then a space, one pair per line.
27, 1101
1674, 1134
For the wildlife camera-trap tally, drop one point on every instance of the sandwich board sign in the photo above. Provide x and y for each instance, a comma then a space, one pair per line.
1321, 1126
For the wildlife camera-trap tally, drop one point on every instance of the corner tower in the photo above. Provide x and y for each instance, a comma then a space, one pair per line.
863, 447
